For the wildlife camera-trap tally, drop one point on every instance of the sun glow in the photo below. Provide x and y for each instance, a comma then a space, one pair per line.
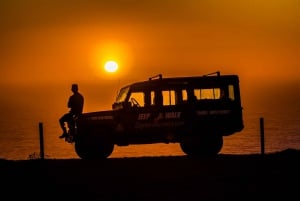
111, 58
111, 66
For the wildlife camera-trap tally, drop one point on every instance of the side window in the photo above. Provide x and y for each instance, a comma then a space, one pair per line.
227, 92
139, 97
156, 98
208, 94
184, 95
169, 97
152, 97
163, 97
189, 95
231, 92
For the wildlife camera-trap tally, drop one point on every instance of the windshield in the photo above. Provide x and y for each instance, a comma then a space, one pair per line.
122, 95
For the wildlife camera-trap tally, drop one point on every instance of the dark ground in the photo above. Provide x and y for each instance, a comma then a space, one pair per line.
226, 177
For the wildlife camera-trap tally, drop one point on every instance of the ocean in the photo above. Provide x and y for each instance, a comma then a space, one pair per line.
23, 111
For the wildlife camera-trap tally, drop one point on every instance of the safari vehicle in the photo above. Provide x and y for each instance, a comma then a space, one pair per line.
196, 112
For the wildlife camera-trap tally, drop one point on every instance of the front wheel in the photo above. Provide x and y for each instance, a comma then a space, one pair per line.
93, 150
209, 146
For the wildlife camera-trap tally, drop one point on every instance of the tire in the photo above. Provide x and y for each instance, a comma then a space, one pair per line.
93, 150
207, 147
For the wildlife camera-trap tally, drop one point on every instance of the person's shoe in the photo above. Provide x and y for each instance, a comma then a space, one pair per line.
63, 135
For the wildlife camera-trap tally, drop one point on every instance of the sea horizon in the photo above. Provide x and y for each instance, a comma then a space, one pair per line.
19, 129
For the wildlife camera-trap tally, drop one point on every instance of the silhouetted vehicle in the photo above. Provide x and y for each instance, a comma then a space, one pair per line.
196, 112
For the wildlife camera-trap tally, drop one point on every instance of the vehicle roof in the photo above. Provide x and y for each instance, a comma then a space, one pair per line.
204, 80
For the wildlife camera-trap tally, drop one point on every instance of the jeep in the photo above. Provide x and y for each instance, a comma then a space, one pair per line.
196, 112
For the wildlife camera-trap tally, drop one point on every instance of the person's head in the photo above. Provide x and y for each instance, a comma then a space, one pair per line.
74, 88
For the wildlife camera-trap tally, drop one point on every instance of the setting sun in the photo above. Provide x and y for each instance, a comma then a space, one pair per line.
111, 66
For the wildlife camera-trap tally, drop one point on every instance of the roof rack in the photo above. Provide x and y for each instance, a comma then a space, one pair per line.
159, 76
217, 73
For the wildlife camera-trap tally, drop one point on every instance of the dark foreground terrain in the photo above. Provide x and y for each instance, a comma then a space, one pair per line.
226, 177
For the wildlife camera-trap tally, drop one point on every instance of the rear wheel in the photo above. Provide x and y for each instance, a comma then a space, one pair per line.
208, 146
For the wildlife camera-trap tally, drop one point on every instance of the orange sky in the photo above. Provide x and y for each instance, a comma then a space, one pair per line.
60, 41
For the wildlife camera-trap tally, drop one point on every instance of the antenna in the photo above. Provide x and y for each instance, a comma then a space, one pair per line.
118, 87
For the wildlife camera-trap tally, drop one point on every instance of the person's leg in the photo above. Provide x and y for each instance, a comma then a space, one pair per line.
62, 121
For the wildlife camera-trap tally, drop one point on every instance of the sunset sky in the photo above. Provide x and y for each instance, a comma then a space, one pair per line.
59, 41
